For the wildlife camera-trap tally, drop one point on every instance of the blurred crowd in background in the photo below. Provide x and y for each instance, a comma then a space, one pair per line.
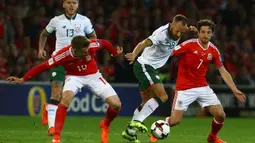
126, 23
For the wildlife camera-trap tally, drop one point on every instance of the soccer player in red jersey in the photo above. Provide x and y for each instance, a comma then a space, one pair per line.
191, 85
81, 71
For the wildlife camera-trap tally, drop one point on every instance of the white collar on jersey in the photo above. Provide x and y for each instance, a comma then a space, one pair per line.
72, 17
70, 50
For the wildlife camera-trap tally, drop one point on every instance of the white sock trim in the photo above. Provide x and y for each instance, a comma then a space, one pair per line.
215, 121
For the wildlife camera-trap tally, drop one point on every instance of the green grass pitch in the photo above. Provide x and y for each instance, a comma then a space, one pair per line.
86, 130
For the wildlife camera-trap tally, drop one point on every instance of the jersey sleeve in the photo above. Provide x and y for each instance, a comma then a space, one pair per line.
217, 58
182, 48
51, 26
88, 29
98, 44
38, 69
156, 38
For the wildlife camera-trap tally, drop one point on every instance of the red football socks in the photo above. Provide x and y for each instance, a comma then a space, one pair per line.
216, 126
60, 118
110, 115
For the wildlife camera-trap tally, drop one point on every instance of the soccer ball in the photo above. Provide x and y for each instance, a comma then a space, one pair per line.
160, 129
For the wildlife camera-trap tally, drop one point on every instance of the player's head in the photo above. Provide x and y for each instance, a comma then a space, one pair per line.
205, 29
178, 26
80, 46
70, 6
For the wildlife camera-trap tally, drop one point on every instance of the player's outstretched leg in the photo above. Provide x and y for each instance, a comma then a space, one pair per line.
61, 114
150, 106
217, 123
130, 133
50, 115
111, 113
50, 109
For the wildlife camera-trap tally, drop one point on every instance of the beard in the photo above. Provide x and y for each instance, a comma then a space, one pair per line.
205, 41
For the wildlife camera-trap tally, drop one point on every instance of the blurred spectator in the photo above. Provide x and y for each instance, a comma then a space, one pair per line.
6, 30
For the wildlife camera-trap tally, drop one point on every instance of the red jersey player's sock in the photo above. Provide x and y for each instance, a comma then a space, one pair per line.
216, 126
110, 115
60, 119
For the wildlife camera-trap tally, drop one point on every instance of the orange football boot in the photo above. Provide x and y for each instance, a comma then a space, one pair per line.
56, 139
153, 139
104, 132
214, 139
51, 131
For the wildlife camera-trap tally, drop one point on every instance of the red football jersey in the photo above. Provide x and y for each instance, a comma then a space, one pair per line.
194, 61
72, 65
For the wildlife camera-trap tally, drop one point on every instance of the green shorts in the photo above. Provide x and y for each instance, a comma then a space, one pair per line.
146, 76
57, 73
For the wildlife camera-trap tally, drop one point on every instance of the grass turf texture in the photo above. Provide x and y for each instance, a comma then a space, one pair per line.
15, 129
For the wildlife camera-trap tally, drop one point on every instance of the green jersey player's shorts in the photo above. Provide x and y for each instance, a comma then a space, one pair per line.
146, 76
57, 73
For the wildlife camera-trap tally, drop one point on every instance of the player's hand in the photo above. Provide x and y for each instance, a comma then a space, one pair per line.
192, 28
41, 54
239, 95
14, 79
130, 57
119, 51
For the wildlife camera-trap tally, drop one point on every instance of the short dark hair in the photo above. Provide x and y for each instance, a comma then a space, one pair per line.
79, 42
206, 22
180, 17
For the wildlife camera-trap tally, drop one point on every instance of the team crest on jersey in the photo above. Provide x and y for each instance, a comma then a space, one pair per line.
77, 27
209, 57
88, 58
172, 45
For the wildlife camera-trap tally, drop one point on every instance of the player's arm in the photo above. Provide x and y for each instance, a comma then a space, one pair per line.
92, 35
138, 49
182, 48
32, 72
227, 77
43, 38
109, 47
89, 30
141, 46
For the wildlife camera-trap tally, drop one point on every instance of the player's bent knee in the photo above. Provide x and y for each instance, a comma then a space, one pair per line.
117, 106
114, 102
221, 115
